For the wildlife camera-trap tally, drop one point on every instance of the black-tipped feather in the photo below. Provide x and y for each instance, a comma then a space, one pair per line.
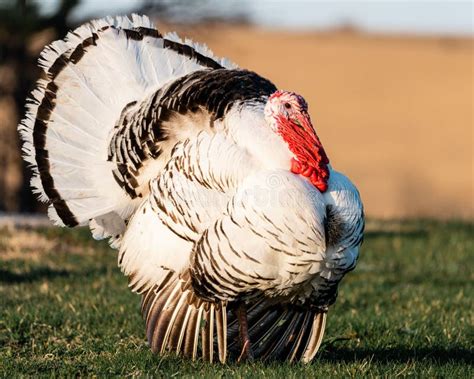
207, 334
172, 330
280, 350
155, 311
268, 346
301, 339
163, 320
182, 332
262, 344
188, 348
221, 327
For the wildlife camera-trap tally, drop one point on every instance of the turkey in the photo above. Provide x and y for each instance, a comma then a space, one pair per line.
210, 182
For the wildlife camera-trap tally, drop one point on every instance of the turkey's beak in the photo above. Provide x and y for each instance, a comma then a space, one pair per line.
303, 120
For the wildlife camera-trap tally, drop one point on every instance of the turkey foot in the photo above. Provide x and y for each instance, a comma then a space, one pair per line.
246, 354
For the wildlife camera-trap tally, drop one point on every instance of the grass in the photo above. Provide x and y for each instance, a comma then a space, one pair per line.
406, 310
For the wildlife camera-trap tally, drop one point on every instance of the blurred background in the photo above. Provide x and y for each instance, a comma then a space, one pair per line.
389, 84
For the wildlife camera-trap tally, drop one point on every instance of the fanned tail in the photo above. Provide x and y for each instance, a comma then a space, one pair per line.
280, 332
177, 322
91, 79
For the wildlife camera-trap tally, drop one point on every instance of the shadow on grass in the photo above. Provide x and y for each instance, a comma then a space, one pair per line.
7, 276
398, 354
417, 233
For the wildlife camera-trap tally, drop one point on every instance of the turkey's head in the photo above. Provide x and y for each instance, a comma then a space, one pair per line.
287, 114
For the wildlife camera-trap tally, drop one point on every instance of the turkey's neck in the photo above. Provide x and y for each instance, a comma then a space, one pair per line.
250, 131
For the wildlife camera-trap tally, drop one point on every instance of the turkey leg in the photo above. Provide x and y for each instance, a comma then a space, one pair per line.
241, 314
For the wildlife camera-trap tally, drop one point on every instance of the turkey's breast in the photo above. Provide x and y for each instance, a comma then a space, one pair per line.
270, 240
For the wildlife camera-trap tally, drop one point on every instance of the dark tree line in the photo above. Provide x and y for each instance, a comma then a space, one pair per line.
24, 30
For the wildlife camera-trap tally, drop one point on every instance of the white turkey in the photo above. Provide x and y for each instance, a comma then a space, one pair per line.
211, 183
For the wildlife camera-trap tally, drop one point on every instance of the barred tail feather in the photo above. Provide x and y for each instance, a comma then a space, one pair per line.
90, 77
221, 327
177, 322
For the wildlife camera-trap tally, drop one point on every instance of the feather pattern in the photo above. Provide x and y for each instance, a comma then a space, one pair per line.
91, 76
167, 150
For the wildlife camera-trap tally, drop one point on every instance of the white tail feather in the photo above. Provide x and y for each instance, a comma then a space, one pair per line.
91, 76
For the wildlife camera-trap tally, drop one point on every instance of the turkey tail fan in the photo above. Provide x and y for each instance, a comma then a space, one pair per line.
294, 334
179, 323
99, 70
297, 336
278, 332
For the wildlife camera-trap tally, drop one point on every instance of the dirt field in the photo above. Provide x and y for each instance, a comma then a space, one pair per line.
394, 113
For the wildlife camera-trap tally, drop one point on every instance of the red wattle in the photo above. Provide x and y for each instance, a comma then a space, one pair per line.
314, 178
321, 186
310, 159
295, 166
307, 171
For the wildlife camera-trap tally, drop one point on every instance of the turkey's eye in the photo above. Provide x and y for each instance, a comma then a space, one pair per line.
287, 105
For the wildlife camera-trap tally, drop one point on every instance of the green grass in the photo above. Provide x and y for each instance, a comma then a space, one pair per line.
406, 310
